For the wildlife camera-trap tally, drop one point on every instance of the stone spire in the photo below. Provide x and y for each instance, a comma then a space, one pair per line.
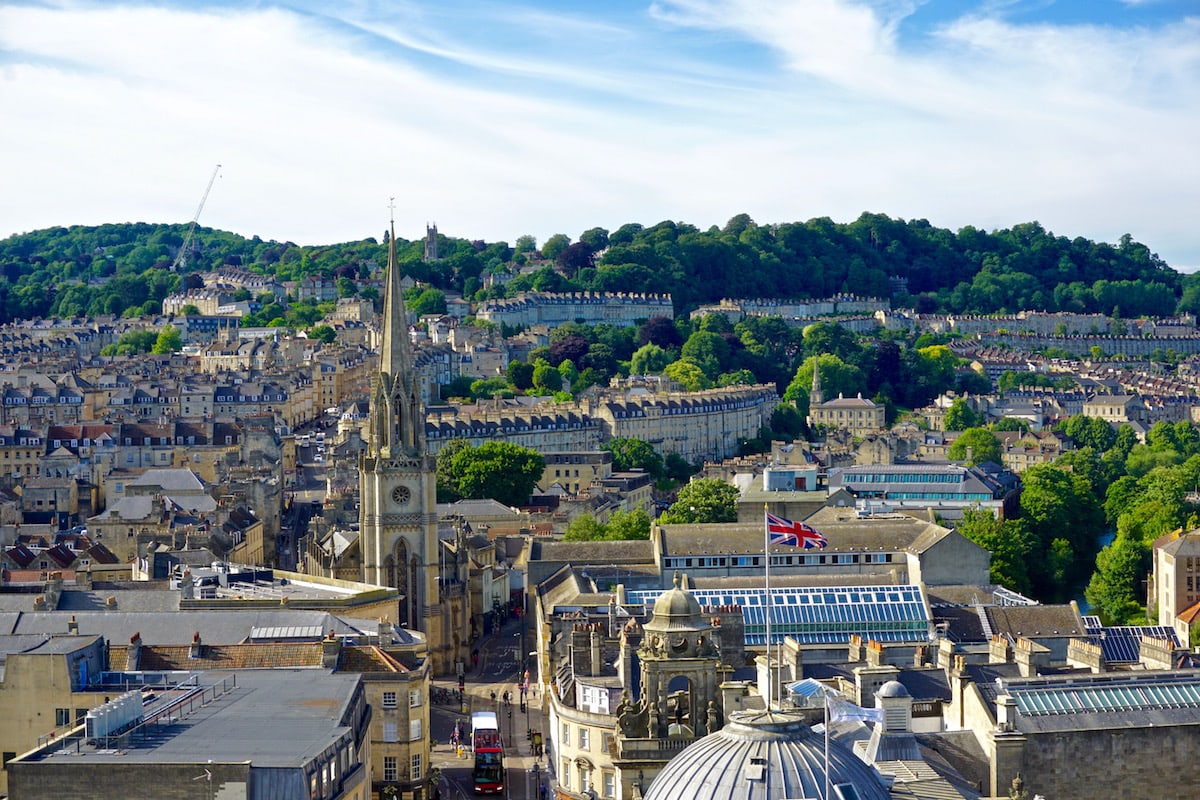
816, 396
395, 356
397, 411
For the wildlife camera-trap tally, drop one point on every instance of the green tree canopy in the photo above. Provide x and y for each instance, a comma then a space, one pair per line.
1009, 543
703, 500
168, 341
499, 471
975, 446
960, 416
631, 453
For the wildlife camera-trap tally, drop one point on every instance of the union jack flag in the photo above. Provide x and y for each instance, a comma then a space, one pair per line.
796, 534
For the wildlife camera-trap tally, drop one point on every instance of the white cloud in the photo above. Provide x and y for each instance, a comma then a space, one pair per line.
120, 114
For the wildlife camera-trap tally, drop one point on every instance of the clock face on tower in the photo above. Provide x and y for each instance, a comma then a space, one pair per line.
401, 494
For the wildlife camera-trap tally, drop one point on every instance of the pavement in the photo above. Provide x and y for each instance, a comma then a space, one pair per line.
498, 671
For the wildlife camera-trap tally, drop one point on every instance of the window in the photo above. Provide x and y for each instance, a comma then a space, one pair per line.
62, 716
610, 784
414, 729
416, 767
566, 734
414, 698
585, 778
391, 732
565, 772
389, 699
585, 739
389, 768
608, 742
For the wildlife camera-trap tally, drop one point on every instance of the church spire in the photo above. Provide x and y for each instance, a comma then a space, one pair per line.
816, 397
397, 410
395, 356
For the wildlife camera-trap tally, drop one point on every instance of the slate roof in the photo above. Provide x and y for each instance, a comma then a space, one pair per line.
274, 655
1036, 621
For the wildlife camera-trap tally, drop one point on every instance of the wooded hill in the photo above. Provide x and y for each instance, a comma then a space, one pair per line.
125, 268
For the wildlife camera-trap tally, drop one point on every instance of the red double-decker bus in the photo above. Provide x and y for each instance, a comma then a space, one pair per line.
487, 775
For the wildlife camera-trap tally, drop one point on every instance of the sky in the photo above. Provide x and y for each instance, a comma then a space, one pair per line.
498, 119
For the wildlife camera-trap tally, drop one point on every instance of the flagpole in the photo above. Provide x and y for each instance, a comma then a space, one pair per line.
826, 704
771, 676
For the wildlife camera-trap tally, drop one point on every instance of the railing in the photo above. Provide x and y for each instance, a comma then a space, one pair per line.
194, 696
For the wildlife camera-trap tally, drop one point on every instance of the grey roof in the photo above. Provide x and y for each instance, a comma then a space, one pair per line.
127, 600
271, 718
167, 627
770, 755
135, 508
639, 551
1036, 621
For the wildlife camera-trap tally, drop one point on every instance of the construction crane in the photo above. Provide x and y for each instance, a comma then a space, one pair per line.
181, 259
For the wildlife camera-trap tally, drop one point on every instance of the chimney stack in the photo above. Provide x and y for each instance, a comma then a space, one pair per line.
197, 648
331, 648
73, 626
186, 586
133, 658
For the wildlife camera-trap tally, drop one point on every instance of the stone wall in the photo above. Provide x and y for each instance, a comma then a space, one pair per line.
1158, 762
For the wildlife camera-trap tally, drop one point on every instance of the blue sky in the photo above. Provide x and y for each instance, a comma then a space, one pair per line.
500, 119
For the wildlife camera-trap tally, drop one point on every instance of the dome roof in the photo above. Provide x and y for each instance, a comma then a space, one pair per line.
777, 750
892, 689
677, 610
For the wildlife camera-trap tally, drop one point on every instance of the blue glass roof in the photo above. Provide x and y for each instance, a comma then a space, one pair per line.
821, 616
1123, 643
1107, 696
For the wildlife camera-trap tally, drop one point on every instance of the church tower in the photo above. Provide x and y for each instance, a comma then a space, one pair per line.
816, 396
398, 524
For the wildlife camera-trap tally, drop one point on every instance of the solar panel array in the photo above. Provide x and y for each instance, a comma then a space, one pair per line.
1037, 701
821, 616
1123, 643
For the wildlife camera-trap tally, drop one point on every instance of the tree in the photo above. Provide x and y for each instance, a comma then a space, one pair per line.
688, 374
837, 378
649, 359
447, 481
323, 332
595, 238
975, 446
660, 331
585, 528
628, 525
168, 341
703, 500
960, 416
1008, 541
520, 374
1116, 586
547, 378
500, 471
709, 351
190, 310
631, 454
555, 245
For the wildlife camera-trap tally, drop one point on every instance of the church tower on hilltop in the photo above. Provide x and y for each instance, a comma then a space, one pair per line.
398, 525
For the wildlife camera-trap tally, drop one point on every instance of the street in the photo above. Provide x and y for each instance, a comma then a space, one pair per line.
498, 672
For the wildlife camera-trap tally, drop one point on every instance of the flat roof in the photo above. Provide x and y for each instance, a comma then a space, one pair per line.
271, 718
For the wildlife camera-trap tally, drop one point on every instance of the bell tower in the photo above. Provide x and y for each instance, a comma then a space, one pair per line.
398, 488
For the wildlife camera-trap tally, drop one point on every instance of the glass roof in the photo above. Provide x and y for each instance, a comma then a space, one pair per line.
1123, 643
1106, 697
813, 615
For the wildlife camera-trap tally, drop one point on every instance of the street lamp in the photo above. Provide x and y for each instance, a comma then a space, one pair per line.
537, 783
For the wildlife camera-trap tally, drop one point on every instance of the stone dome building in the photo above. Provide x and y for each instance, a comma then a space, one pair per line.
764, 755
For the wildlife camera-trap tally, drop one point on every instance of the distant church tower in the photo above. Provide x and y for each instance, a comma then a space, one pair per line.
431, 242
816, 396
398, 489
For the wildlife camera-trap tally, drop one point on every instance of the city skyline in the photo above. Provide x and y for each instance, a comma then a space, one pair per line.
500, 120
